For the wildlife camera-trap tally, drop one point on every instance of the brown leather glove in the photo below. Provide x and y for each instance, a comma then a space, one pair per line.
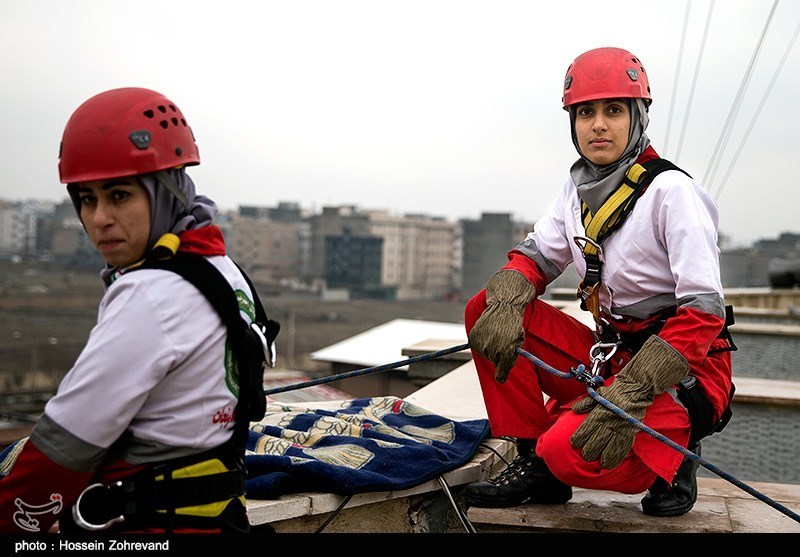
609, 437
498, 331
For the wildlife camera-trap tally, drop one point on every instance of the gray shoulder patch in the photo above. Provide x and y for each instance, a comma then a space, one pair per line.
529, 248
63, 448
710, 303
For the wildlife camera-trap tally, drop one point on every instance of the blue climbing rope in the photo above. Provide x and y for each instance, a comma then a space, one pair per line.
594, 381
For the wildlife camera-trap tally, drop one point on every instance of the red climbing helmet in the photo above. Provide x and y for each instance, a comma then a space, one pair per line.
605, 73
123, 132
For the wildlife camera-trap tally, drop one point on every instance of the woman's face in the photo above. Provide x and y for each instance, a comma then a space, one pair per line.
116, 216
602, 129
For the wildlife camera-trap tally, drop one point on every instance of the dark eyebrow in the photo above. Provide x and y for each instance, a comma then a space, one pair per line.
108, 185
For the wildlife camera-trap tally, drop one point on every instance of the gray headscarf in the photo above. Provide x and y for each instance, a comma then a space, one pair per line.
174, 206
167, 212
596, 183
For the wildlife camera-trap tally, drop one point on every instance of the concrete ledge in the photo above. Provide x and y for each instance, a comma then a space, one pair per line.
434, 345
767, 313
279, 512
424, 372
721, 508
766, 391
773, 329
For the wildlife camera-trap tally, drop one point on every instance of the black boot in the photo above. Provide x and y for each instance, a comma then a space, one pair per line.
526, 479
679, 497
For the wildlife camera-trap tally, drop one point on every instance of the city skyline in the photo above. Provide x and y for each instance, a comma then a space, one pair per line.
444, 107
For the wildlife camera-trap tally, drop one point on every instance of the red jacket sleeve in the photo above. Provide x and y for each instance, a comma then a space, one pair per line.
36, 491
517, 261
693, 333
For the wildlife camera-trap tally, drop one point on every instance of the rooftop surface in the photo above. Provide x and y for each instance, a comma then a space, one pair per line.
723, 506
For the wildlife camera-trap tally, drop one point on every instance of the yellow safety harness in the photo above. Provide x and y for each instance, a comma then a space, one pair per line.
610, 217
204, 490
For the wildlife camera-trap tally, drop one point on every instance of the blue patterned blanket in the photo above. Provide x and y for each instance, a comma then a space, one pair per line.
363, 445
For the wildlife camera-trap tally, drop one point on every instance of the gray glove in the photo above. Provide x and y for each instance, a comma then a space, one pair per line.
609, 437
498, 331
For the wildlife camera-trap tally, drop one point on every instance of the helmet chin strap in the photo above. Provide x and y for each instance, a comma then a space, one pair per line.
167, 181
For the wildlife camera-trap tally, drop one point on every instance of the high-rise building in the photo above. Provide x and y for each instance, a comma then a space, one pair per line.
486, 243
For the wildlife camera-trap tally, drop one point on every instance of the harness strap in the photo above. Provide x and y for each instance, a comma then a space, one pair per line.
196, 493
175, 493
726, 333
610, 217
206, 489
701, 413
617, 207
206, 278
141, 496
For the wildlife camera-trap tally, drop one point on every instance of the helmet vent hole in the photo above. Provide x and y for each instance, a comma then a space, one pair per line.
164, 124
148, 114
162, 109
183, 122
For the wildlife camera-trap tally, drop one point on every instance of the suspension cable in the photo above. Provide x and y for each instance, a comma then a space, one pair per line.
694, 80
677, 75
708, 178
758, 111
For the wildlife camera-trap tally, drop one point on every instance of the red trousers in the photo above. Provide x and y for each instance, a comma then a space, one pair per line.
518, 408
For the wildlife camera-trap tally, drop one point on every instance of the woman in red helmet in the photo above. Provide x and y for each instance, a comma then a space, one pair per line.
139, 435
643, 235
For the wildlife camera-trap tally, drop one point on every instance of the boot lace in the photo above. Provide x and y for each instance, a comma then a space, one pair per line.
513, 470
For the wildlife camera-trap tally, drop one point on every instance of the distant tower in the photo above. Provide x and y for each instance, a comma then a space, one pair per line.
486, 243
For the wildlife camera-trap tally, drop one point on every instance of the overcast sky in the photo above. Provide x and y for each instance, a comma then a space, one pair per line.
448, 108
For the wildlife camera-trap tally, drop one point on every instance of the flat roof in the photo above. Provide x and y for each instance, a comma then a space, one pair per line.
384, 344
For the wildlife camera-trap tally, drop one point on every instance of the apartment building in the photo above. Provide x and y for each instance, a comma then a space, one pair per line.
486, 243
18, 225
421, 254
371, 252
270, 251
